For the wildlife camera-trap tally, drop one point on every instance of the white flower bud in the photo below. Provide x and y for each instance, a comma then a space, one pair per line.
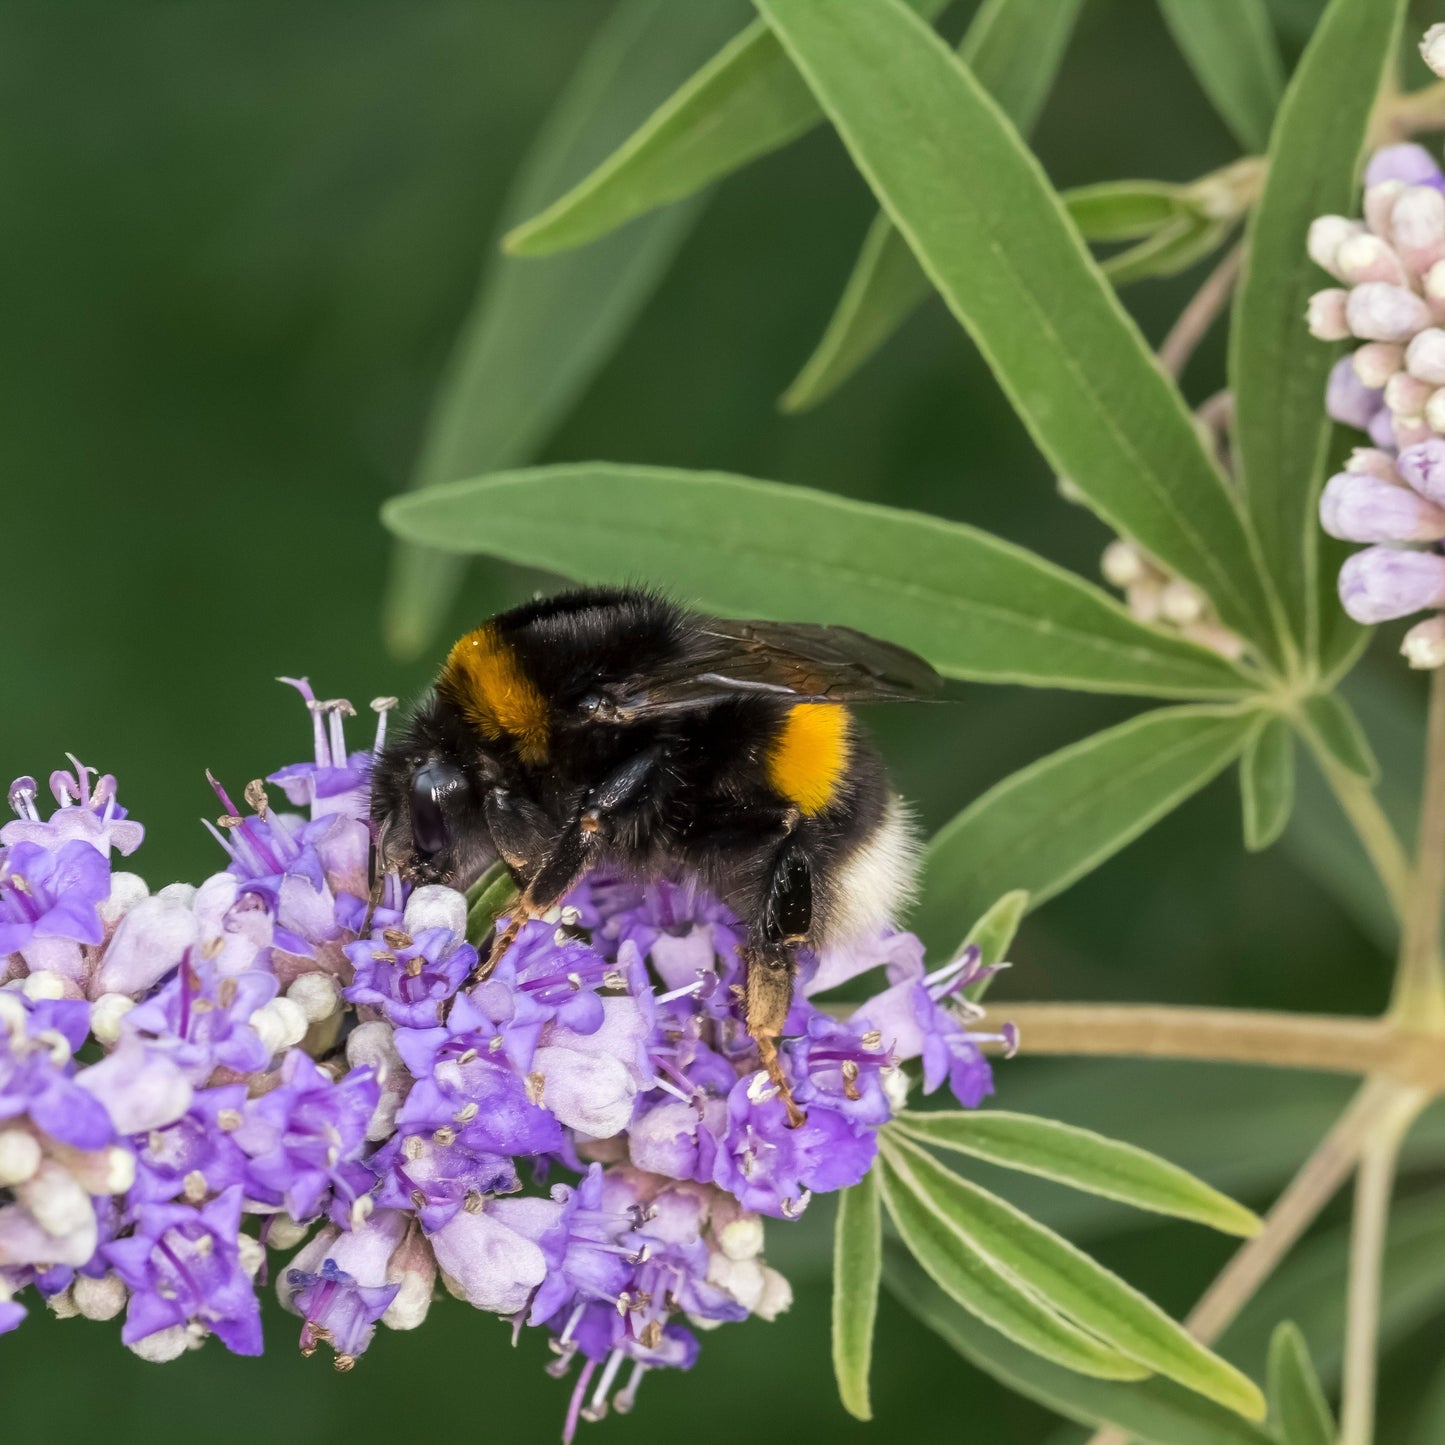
373, 1045
1374, 463
19, 1156
741, 1278
1121, 563
777, 1295
106, 1013
1406, 395
56, 1202
1432, 48
164, 1345
1424, 644
1435, 411
280, 1024
184, 893
1180, 603
285, 1233
414, 1268
44, 985
1425, 356
62, 1305
1419, 228
1380, 205
1435, 283
741, 1238
1143, 599
126, 890
152, 939
1327, 234
99, 1299
434, 906
895, 1081
250, 1254
317, 995
1368, 258
1378, 311
1326, 314
1376, 362
1410, 431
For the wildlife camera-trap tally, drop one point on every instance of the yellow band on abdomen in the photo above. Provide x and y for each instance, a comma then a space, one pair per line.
807, 758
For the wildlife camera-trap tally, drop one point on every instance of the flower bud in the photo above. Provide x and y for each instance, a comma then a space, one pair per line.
150, 942
105, 1016
1435, 411
1419, 228
1378, 311
43, 985
1424, 644
99, 1299
1382, 583
280, 1024
414, 1268
1326, 235
1432, 48
1380, 205
1360, 508
1406, 394
1382, 429
1326, 314
1375, 363
19, 1156
1121, 563
1367, 258
1425, 356
433, 906
1423, 467
1181, 603
1410, 163
56, 1200
126, 890
777, 1295
317, 995
1373, 462
282, 1232
164, 1345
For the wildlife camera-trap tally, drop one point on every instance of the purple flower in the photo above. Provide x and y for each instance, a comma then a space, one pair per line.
47, 894
182, 1266
197, 1155
304, 1137
1410, 164
409, 979
338, 1311
203, 1020
437, 1180
36, 1079
87, 814
1382, 583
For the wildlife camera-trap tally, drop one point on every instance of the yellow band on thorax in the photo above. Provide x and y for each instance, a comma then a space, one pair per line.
806, 759
486, 679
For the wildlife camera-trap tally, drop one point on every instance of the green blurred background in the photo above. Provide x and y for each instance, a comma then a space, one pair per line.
238, 242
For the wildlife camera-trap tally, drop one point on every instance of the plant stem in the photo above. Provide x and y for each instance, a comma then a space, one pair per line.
1238, 1036
1198, 316
1376, 833
1419, 989
1298, 1206
1367, 1245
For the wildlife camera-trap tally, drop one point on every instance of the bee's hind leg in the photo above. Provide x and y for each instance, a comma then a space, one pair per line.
771, 959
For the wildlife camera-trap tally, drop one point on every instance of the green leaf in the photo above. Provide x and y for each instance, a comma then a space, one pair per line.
538, 332
982, 1286
1230, 47
488, 897
1167, 252
975, 606
1297, 1406
745, 101
1069, 1280
1013, 49
1277, 369
1150, 1412
993, 237
1083, 1160
992, 935
1266, 783
1055, 820
1334, 725
857, 1266
1125, 210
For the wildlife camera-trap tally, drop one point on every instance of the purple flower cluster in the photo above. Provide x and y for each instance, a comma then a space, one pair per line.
1392, 298
275, 1059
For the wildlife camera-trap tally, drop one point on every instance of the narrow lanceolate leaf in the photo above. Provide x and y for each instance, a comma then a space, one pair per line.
1125, 210
1266, 783
1168, 251
976, 607
1069, 1280
978, 212
538, 332
1150, 1412
992, 935
1277, 369
1054, 821
1082, 1159
1333, 724
1231, 49
1297, 1406
1013, 48
745, 101
973, 1279
488, 897
857, 1266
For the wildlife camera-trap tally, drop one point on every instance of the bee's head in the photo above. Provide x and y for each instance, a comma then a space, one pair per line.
426, 804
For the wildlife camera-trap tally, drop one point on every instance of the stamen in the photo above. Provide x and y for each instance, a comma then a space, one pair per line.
667, 1087
626, 1397
706, 979
794, 1209
597, 1408
381, 706
255, 796
22, 799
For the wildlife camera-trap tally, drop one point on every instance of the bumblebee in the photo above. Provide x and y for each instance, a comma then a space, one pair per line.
612, 727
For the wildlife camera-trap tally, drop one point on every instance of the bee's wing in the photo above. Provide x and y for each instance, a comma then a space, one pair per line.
798, 660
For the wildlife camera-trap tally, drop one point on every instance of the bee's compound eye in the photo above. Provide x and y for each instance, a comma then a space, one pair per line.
431, 785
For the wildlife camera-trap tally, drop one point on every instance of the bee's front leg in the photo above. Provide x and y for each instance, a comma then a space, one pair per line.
786, 916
